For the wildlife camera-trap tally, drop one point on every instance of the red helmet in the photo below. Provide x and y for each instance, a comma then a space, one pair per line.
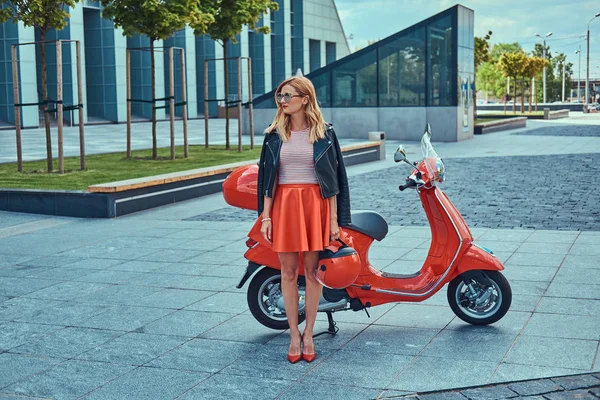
340, 269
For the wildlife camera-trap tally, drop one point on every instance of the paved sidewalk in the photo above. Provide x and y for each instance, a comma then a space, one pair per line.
145, 306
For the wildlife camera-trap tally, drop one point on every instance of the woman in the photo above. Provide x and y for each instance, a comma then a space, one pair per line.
303, 199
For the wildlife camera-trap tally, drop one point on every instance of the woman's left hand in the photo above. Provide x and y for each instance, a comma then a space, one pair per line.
335, 230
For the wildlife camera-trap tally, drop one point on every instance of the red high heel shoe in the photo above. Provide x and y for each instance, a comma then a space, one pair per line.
294, 358
308, 357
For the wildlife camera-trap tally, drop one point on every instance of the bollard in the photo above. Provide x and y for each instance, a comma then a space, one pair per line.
379, 136
546, 113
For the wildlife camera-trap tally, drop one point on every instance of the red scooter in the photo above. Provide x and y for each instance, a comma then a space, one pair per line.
477, 292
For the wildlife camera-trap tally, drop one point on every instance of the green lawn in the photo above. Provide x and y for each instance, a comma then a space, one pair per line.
103, 168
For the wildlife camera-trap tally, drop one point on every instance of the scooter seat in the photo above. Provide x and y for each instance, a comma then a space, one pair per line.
370, 223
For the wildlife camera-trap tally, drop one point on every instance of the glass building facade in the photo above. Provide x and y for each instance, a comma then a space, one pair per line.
423, 68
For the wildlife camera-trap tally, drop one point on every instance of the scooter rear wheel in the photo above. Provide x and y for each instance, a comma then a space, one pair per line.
484, 305
265, 299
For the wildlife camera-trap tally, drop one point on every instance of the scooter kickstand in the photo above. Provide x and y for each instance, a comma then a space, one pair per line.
332, 329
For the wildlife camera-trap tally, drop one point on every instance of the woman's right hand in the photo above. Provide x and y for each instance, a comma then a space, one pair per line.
267, 230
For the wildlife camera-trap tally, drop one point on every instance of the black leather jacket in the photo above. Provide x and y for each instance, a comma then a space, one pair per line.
329, 168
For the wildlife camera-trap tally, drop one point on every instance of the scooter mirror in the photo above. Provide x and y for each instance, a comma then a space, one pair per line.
400, 154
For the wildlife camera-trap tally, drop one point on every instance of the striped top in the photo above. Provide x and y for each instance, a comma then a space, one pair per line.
296, 164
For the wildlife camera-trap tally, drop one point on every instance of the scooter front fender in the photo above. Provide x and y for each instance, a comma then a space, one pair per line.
477, 258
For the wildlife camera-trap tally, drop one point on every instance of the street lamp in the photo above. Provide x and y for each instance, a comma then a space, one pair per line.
579, 75
587, 78
544, 56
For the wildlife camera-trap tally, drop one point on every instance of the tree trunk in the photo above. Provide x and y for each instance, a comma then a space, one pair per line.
474, 95
514, 99
45, 98
530, 93
226, 95
152, 66
522, 96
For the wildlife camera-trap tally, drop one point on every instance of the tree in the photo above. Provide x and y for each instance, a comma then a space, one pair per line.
534, 67
482, 55
513, 66
43, 15
158, 20
229, 18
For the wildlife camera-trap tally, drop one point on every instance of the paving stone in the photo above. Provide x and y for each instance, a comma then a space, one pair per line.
577, 394
511, 324
442, 396
564, 326
417, 316
577, 381
553, 352
574, 290
392, 340
512, 372
186, 323
530, 388
560, 305
301, 390
237, 387
489, 393
64, 313
174, 298
20, 286
472, 345
67, 290
14, 367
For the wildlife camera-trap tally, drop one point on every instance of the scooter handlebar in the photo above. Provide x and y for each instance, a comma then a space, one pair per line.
409, 183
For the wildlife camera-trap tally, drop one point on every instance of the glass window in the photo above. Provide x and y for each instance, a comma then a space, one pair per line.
355, 82
322, 84
402, 71
440, 68
330, 53
315, 54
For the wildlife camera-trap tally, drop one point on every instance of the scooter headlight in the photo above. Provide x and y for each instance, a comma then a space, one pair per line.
441, 170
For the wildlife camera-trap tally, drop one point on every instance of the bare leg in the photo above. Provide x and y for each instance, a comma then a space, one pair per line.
289, 289
313, 294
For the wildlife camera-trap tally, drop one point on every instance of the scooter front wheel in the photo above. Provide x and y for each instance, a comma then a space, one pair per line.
265, 299
485, 299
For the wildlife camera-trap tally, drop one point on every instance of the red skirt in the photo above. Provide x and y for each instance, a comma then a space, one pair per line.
300, 219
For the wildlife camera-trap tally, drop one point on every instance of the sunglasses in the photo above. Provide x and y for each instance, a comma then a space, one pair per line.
287, 97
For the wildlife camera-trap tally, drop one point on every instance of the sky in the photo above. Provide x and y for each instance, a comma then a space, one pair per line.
509, 20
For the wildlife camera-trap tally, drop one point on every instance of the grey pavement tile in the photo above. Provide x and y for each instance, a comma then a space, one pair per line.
442, 374
375, 371
132, 348
148, 383
212, 257
231, 303
129, 253
51, 261
442, 396
171, 255
14, 367
516, 272
489, 393
587, 276
186, 323
536, 260
553, 352
507, 235
155, 280
124, 241
187, 269
553, 237
386, 253
395, 394
235, 270
576, 261
511, 324
576, 394
17, 307
64, 313
192, 234
438, 299
65, 273
123, 318
118, 294
586, 249
237, 387
19, 286
391, 340
22, 271
574, 382
499, 246
14, 334
405, 267
304, 390
564, 326
201, 245
162, 243
204, 355
229, 236
70, 379
202, 283
524, 302
324, 343
12, 259
588, 237
4, 298
532, 388
137, 266
416, 255
530, 288
96, 263
359, 317
66, 290
265, 365
243, 328
417, 316
155, 231
470, 345
574, 290
561, 305
174, 298
107, 276
65, 343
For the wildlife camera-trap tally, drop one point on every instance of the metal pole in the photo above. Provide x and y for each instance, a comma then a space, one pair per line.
239, 103
587, 72
544, 56
250, 107
59, 106
15, 77
533, 91
206, 104
563, 81
128, 84
184, 101
80, 102
172, 101
579, 77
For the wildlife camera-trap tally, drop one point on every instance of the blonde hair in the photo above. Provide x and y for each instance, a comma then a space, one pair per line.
282, 122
